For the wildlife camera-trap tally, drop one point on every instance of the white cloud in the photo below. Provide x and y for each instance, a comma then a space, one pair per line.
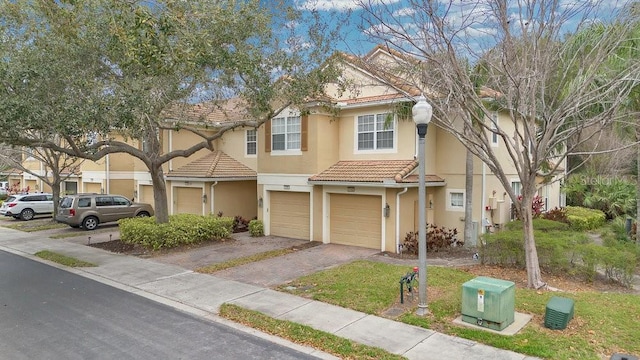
340, 5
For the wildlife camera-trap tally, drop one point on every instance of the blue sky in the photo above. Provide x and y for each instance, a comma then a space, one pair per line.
474, 14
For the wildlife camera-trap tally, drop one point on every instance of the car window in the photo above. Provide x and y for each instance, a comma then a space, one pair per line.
84, 202
48, 197
66, 202
104, 201
10, 199
31, 198
119, 200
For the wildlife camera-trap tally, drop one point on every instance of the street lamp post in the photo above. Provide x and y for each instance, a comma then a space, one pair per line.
422, 112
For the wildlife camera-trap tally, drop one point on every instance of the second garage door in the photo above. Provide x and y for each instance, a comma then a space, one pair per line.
188, 200
356, 220
290, 214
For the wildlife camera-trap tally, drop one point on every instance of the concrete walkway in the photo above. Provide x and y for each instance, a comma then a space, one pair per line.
202, 295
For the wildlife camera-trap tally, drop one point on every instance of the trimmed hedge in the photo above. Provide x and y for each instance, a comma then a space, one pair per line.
582, 219
555, 248
180, 230
562, 252
538, 224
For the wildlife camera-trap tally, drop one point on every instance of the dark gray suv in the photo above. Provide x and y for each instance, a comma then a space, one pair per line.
89, 210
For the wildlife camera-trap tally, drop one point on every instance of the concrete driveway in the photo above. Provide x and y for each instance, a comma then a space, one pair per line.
269, 272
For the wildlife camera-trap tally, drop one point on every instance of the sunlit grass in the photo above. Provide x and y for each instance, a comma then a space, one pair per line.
604, 323
63, 259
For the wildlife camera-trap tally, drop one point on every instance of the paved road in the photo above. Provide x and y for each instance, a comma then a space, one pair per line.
47, 313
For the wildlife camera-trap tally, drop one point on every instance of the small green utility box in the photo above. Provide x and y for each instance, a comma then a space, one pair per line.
558, 313
489, 302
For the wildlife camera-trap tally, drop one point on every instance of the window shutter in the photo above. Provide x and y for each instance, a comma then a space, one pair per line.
304, 132
267, 136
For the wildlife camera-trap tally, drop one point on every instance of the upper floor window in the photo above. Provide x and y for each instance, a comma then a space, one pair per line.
375, 132
285, 133
251, 142
494, 129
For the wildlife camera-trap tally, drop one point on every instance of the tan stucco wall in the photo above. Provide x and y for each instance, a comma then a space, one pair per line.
405, 135
302, 162
124, 187
233, 143
235, 198
182, 140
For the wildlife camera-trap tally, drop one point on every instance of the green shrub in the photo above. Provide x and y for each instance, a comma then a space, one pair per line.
555, 248
256, 228
582, 219
564, 251
539, 224
180, 230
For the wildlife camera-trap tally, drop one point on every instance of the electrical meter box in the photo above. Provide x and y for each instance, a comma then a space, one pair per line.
489, 302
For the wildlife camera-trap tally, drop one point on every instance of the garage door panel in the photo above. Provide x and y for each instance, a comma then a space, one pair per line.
188, 200
92, 188
290, 214
356, 220
146, 192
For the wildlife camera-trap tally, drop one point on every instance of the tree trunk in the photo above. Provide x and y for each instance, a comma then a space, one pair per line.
637, 184
159, 194
55, 191
468, 206
534, 276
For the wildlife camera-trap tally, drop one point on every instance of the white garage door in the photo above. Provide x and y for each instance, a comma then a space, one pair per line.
188, 200
356, 220
290, 214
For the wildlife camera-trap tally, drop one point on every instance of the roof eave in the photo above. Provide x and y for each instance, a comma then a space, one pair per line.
209, 179
376, 184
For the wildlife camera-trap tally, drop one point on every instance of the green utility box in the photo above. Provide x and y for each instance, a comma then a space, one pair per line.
558, 313
489, 302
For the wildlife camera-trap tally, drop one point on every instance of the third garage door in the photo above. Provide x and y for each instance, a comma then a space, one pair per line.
290, 214
356, 220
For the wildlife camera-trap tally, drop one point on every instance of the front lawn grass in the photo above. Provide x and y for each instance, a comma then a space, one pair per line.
604, 323
305, 335
63, 259
35, 225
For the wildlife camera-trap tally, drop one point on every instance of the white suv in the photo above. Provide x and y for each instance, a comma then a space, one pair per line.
26, 206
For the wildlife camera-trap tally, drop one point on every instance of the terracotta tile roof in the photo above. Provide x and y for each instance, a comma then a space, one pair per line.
234, 109
215, 165
372, 171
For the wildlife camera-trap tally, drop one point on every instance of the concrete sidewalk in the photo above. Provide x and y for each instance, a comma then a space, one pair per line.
202, 295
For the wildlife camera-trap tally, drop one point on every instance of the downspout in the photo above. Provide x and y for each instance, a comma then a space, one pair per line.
484, 199
107, 175
42, 173
212, 197
398, 218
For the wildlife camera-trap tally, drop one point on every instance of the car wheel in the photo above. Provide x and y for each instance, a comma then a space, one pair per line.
143, 214
90, 223
27, 214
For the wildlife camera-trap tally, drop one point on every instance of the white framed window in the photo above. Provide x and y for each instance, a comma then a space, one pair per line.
286, 133
455, 200
517, 187
251, 141
375, 132
494, 128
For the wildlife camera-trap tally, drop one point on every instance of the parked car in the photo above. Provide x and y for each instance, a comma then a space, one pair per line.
89, 210
27, 206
